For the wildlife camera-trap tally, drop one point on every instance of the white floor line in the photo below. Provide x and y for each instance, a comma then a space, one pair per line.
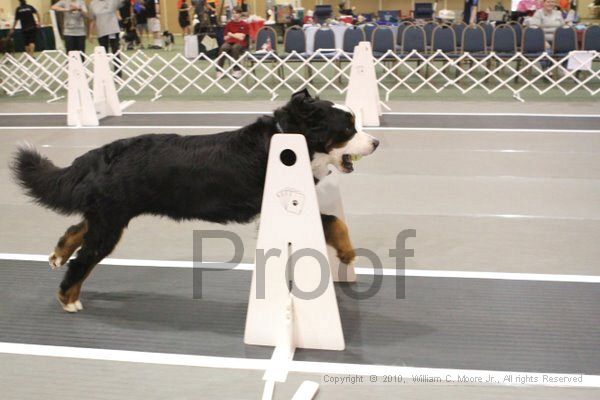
62, 128
429, 273
30, 114
198, 112
407, 373
440, 129
152, 113
380, 128
499, 114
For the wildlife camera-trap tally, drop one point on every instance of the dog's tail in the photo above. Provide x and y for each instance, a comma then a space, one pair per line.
43, 181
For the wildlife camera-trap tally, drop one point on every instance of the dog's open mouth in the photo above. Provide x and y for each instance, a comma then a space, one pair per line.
347, 162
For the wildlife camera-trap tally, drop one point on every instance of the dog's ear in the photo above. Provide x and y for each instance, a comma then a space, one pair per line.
301, 101
301, 95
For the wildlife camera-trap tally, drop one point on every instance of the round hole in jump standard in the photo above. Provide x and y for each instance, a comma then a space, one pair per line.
288, 157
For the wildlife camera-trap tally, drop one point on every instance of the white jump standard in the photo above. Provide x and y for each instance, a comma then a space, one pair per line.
81, 110
292, 299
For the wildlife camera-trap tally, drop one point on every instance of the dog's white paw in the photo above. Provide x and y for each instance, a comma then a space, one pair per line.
78, 305
71, 307
55, 261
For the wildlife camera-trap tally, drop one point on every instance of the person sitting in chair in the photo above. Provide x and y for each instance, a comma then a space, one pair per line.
236, 41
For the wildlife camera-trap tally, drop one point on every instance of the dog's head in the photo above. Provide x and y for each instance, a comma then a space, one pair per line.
331, 130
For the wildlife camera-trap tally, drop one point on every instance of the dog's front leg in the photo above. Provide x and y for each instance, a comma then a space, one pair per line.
336, 235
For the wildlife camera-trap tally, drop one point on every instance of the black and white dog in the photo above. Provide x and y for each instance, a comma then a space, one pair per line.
169, 40
217, 178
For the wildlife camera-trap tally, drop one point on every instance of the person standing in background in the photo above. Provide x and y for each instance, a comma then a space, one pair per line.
184, 18
104, 16
139, 9
125, 13
30, 22
470, 12
211, 8
199, 7
153, 15
75, 12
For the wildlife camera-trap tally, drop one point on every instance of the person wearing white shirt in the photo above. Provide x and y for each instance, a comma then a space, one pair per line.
549, 19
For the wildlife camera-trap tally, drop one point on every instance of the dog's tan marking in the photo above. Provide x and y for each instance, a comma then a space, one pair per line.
336, 235
69, 300
67, 244
67, 305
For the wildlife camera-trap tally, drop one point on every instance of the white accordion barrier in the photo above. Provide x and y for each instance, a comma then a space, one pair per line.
322, 72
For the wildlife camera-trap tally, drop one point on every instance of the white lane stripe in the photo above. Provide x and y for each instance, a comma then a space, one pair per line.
469, 215
495, 114
198, 112
515, 276
446, 374
366, 129
437, 129
508, 114
31, 113
150, 113
121, 127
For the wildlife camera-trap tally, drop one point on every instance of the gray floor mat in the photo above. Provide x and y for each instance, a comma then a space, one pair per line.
442, 322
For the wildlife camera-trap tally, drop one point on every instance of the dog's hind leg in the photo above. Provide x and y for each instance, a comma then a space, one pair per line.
336, 235
99, 241
67, 244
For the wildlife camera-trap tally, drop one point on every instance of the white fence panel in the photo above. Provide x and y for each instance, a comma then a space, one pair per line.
141, 73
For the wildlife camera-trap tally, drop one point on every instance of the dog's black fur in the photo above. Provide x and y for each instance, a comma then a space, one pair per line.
217, 178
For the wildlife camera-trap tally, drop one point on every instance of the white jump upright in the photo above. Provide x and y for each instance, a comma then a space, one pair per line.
80, 107
290, 221
363, 94
292, 299
105, 99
